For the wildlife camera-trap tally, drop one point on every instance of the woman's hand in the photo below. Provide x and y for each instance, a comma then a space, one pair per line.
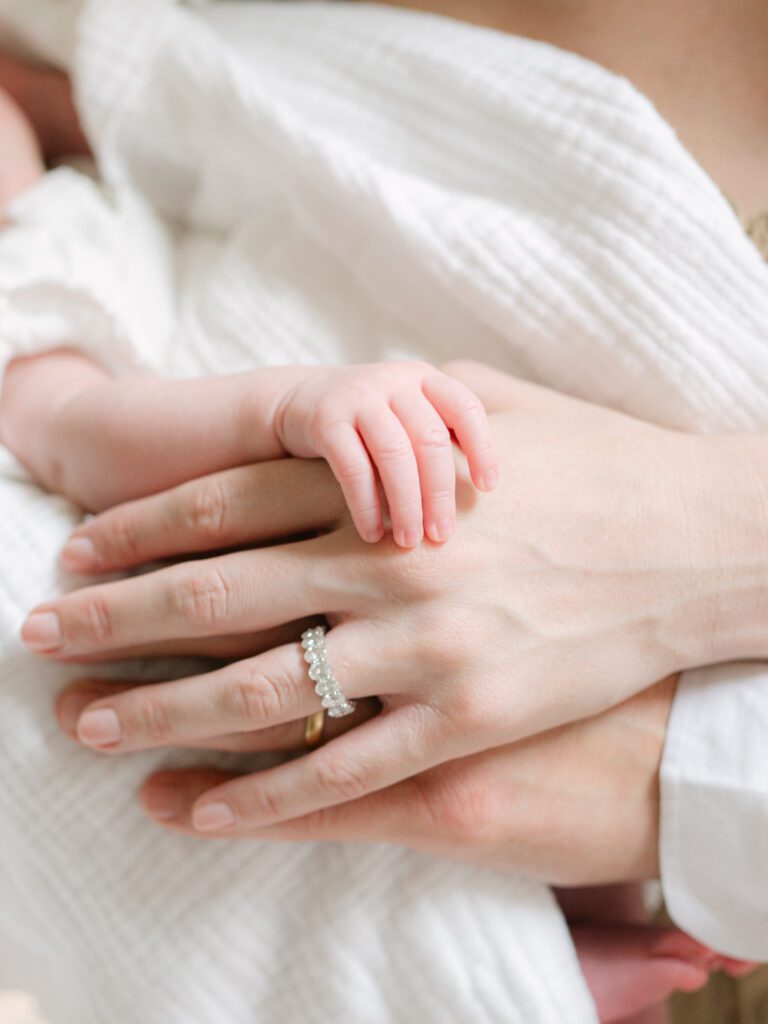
597, 567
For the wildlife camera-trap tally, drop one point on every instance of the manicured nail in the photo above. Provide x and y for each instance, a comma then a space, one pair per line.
213, 816
42, 631
490, 480
164, 801
99, 728
79, 555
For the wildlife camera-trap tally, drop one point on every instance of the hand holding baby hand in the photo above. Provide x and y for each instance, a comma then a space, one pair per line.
395, 419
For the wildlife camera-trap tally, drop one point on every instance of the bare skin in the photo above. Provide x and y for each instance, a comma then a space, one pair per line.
702, 62
21, 162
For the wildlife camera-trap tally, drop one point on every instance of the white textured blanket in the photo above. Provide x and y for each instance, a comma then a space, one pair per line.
311, 182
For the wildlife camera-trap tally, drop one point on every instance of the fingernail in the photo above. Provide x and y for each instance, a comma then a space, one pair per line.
412, 536
99, 728
373, 536
490, 480
42, 631
213, 816
78, 554
163, 801
70, 705
444, 529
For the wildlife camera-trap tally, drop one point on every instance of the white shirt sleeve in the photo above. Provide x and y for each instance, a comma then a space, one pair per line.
714, 809
87, 269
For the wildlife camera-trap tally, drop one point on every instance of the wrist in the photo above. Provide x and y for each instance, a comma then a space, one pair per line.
722, 533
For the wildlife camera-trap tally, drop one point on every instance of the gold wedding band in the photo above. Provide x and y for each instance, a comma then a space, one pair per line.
313, 730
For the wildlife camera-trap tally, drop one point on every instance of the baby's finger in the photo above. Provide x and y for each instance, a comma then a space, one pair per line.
463, 412
392, 452
351, 465
432, 444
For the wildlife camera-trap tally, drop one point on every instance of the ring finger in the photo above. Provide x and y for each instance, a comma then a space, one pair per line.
289, 738
259, 693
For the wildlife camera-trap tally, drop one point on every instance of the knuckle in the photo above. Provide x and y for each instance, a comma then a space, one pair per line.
468, 711
435, 440
354, 470
463, 809
97, 620
254, 698
262, 805
441, 498
325, 417
414, 577
467, 406
206, 598
206, 512
393, 448
123, 536
414, 367
154, 721
341, 777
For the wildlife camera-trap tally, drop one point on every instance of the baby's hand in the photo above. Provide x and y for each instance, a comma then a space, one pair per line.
398, 418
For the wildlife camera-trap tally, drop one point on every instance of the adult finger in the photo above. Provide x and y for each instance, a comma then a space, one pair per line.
404, 813
73, 701
433, 448
257, 693
393, 455
248, 505
397, 744
216, 648
248, 590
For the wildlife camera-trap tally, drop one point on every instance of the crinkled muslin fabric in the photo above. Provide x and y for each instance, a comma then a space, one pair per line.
312, 182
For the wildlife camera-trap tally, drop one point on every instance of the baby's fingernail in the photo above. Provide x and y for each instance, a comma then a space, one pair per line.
78, 554
373, 536
99, 728
490, 480
210, 817
42, 631
409, 538
442, 530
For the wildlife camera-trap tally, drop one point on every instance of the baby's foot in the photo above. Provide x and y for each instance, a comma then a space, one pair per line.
632, 970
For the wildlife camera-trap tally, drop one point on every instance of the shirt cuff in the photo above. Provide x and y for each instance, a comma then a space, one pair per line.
714, 809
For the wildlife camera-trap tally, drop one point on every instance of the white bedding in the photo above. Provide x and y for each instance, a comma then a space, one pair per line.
297, 182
